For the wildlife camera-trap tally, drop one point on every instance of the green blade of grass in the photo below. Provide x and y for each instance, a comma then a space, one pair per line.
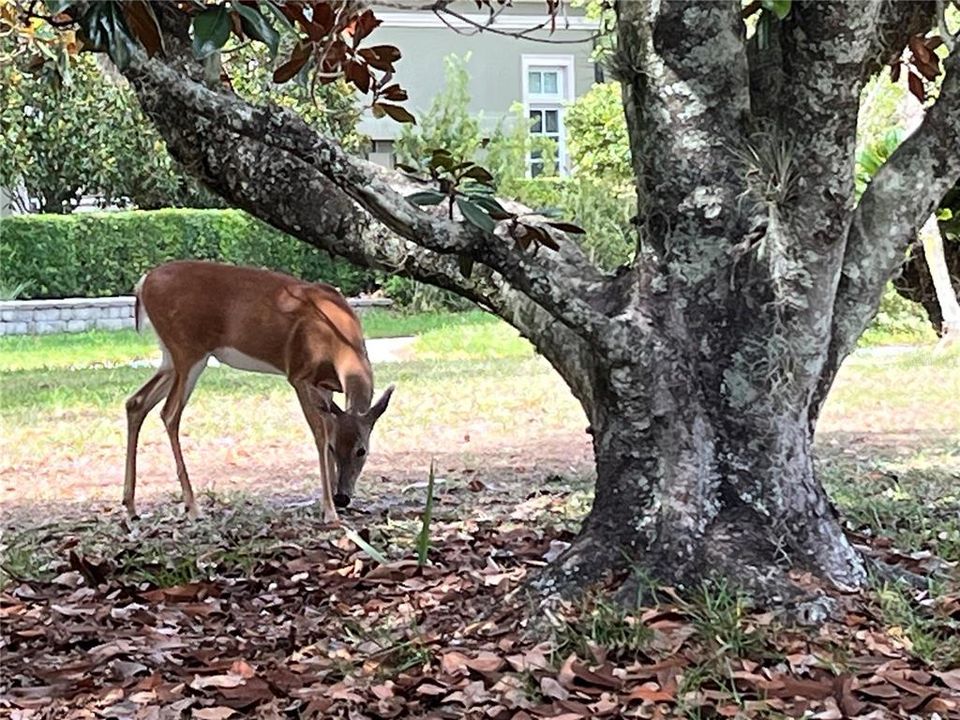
369, 549
423, 538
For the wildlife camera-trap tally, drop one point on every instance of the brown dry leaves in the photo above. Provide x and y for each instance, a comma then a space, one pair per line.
319, 630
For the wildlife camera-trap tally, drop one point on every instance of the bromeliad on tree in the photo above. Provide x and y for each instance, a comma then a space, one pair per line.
703, 365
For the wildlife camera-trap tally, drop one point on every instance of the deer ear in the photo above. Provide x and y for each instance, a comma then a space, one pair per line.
290, 298
374, 413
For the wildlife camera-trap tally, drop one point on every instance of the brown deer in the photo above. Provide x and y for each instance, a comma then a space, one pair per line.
265, 322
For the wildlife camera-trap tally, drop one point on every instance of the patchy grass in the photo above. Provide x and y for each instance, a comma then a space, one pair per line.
597, 624
723, 622
916, 620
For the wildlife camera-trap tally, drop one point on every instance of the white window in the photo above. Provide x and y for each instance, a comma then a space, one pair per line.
547, 88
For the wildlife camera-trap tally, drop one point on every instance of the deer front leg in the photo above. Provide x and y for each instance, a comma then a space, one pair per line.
320, 427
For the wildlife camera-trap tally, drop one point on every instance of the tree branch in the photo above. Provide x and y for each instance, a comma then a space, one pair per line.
904, 193
551, 281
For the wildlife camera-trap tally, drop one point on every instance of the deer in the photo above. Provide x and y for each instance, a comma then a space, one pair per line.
266, 322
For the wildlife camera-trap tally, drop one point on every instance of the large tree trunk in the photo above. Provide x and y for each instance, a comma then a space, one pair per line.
690, 486
703, 366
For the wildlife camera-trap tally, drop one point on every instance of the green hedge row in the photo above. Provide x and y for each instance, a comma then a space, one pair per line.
104, 254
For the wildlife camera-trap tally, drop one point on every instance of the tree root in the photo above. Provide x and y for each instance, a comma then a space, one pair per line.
741, 552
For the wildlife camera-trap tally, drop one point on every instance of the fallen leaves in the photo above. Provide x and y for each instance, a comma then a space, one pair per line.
320, 628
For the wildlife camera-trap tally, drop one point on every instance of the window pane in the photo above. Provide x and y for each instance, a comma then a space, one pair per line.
537, 125
533, 78
536, 168
550, 83
552, 121
535, 154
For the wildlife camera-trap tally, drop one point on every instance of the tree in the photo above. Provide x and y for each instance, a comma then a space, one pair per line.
932, 266
701, 366
85, 134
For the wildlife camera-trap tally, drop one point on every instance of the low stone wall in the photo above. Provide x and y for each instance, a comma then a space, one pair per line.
39, 317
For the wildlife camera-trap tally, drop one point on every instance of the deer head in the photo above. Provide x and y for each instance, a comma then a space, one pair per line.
349, 444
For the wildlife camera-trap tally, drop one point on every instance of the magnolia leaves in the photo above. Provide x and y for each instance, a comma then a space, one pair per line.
211, 30
329, 38
325, 46
921, 63
469, 188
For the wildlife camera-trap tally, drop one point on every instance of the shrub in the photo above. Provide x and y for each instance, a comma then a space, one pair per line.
597, 132
599, 207
87, 136
103, 254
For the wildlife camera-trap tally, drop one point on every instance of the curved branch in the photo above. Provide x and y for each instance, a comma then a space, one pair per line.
904, 193
552, 282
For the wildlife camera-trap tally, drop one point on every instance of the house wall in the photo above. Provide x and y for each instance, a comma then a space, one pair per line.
495, 64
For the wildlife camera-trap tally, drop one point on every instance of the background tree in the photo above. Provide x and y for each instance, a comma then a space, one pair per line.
85, 136
702, 366
75, 129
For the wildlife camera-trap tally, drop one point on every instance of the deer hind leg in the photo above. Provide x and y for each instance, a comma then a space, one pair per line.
183, 384
308, 397
139, 406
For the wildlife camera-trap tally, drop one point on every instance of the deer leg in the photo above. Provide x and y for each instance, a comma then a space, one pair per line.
183, 384
321, 436
139, 406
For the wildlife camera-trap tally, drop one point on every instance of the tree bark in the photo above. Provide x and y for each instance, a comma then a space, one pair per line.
701, 369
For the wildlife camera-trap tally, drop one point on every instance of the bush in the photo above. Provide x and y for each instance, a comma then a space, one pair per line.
87, 136
104, 254
602, 209
597, 132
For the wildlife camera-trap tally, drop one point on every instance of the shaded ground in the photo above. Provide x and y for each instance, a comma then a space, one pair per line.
284, 619
259, 611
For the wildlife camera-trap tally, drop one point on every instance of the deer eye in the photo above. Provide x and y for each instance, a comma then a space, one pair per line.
361, 452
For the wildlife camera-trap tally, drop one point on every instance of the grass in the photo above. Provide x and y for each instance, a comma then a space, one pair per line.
601, 624
931, 636
720, 618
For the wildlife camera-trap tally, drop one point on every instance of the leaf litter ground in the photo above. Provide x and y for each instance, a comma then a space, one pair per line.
259, 611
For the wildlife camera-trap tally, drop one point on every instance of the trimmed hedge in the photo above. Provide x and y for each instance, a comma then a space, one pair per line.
105, 253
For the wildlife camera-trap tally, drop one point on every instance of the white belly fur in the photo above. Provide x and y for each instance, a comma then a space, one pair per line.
236, 359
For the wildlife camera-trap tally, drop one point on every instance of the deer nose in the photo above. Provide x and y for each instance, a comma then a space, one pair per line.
341, 500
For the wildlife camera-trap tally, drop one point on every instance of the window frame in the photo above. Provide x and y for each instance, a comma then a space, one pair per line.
564, 64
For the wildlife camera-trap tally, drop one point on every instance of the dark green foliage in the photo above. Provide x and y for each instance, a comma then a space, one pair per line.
102, 254
601, 208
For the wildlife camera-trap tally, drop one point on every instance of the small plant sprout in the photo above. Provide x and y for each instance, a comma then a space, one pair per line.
423, 537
